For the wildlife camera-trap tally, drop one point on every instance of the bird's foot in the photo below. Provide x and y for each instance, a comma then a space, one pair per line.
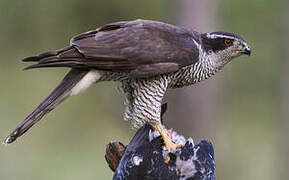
169, 144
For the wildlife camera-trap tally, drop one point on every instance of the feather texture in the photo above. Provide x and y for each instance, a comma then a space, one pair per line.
59, 94
147, 57
142, 48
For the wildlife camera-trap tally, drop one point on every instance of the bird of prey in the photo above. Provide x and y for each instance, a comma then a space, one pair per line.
146, 57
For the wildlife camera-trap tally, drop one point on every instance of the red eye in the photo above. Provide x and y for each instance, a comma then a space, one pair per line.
228, 42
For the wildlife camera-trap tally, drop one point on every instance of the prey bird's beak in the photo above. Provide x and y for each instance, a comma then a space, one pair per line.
246, 50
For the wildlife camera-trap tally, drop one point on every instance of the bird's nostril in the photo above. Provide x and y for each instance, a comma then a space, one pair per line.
247, 51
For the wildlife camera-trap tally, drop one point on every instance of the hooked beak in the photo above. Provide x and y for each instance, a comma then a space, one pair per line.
246, 50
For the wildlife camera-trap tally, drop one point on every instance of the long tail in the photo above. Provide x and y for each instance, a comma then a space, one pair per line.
70, 85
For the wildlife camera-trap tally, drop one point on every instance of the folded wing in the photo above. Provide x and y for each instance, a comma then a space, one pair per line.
142, 48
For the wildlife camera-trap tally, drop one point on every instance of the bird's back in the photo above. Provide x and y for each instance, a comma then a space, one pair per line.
143, 48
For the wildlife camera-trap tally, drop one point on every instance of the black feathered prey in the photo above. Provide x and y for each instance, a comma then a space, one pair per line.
146, 57
142, 159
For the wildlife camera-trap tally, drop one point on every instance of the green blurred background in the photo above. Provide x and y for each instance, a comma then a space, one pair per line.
243, 110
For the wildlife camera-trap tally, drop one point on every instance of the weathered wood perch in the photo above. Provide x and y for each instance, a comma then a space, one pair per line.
144, 158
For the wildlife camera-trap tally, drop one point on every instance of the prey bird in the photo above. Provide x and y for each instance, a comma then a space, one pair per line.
146, 57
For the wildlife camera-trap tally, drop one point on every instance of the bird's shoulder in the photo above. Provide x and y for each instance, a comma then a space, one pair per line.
139, 40
151, 47
138, 26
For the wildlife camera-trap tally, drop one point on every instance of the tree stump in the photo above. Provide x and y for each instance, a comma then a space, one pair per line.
144, 158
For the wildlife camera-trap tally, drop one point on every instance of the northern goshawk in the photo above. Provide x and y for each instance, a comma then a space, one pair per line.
146, 57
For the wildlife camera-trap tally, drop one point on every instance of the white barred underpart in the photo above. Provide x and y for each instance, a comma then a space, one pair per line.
91, 77
144, 96
143, 99
209, 63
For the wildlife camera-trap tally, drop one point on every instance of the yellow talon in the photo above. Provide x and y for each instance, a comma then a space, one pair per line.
168, 160
169, 144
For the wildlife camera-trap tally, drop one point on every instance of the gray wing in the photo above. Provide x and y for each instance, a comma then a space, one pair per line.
142, 48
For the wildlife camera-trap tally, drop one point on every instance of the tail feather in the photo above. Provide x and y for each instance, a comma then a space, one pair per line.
59, 94
52, 54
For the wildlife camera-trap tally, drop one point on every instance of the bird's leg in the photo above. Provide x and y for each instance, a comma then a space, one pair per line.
145, 106
169, 144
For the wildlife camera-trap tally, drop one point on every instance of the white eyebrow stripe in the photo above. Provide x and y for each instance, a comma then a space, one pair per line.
214, 36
